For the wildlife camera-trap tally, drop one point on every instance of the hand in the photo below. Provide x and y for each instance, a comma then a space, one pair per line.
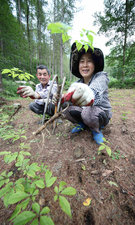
80, 94
27, 91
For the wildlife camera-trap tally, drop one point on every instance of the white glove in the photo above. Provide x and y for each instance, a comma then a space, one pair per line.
27, 91
82, 94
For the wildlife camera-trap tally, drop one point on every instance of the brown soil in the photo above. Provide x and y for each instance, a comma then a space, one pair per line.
75, 160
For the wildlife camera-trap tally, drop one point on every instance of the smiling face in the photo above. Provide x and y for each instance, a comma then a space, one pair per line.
43, 76
86, 67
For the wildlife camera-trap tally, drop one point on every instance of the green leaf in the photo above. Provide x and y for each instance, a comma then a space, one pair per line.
5, 153
26, 153
109, 151
69, 191
7, 188
19, 187
36, 207
65, 206
101, 147
24, 218
56, 190
31, 173
10, 174
6, 71
55, 198
40, 183
48, 175
16, 212
35, 192
6, 197
45, 210
45, 220
16, 197
51, 181
24, 204
61, 185
35, 222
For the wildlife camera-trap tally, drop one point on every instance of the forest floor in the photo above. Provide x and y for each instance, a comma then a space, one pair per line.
108, 181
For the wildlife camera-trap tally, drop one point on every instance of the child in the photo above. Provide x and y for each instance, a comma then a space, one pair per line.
91, 107
41, 92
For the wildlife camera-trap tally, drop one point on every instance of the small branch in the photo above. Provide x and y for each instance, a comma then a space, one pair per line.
16, 110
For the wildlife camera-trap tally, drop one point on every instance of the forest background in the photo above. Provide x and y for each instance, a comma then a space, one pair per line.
25, 41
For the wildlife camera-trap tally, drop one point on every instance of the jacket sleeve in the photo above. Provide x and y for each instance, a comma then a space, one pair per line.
99, 85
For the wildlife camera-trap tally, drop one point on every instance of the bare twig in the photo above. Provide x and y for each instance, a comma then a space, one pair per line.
16, 110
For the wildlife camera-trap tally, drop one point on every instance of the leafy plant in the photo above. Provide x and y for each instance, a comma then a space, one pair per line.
24, 191
117, 155
17, 73
106, 147
62, 28
61, 190
88, 35
8, 133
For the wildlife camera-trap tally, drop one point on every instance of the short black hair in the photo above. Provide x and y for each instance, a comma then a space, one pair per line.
75, 56
41, 67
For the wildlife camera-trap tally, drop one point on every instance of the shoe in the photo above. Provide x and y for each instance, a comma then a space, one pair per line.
80, 127
98, 137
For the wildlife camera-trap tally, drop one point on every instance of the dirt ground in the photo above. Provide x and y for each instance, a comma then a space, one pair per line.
108, 181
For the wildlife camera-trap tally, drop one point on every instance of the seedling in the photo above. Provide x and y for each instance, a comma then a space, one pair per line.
106, 147
24, 191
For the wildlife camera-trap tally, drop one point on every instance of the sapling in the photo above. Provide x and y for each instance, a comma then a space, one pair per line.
24, 191
17, 73
106, 147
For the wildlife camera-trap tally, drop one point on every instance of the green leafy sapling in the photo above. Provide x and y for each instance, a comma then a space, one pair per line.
63, 202
85, 35
60, 28
106, 147
24, 191
17, 73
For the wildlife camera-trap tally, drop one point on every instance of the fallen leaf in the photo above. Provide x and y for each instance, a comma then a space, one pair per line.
87, 202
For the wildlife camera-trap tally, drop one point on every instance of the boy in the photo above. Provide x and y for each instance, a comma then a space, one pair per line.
91, 107
41, 92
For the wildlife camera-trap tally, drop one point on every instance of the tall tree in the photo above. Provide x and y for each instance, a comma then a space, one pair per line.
63, 11
118, 23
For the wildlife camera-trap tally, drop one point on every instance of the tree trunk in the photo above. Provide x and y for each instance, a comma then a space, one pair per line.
38, 32
61, 58
18, 9
1, 86
28, 35
125, 39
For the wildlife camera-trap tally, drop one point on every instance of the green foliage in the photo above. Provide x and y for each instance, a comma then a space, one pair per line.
60, 28
106, 147
125, 84
118, 24
88, 35
17, 73
24, 191
7, 132
61, 190
10, 88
